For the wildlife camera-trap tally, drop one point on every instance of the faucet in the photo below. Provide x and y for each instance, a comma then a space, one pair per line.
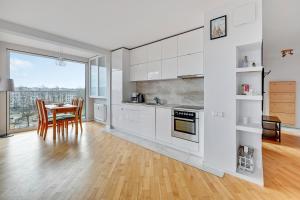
157, 100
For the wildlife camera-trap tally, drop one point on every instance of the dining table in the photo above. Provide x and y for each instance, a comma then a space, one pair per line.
67, 108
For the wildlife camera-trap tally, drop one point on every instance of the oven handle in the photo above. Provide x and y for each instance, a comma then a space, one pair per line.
183, 119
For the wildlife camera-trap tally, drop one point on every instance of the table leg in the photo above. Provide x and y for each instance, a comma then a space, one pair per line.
54, 125
76, 124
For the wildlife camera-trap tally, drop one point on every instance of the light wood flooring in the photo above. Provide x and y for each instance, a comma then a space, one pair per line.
97, 165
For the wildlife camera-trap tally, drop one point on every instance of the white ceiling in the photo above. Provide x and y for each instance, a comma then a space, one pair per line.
109, 23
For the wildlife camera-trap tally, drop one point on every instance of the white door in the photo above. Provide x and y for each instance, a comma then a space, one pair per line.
163, 124
154, 70
190, 65
154, 51
190, 42
169, 69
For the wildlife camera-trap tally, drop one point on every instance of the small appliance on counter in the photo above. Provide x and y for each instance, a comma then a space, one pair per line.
137, 98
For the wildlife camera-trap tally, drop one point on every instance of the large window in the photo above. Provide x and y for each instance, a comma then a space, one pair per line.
38, 76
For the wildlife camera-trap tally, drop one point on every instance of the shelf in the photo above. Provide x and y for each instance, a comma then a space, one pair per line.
249, 97
249, 69
251, 128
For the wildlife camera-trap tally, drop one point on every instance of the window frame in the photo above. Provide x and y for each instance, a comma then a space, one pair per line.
96, 59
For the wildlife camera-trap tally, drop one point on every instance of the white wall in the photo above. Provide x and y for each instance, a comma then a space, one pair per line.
281, 29
220, 85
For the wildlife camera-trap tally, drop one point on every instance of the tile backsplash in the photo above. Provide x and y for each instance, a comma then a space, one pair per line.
179, 91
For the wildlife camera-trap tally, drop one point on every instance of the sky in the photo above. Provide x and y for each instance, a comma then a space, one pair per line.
38, 71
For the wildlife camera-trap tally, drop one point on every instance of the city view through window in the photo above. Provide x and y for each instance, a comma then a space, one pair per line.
39, 77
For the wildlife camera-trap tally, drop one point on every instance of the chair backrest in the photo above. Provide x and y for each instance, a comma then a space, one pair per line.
80, 107
43, 111
74, 101
37, 103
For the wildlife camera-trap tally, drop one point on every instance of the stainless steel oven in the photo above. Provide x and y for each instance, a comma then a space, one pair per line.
185, 124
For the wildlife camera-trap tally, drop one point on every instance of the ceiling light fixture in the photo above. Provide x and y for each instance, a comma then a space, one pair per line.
285, 52
60, 61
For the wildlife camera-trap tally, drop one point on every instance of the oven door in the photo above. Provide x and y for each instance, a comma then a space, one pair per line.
185, 129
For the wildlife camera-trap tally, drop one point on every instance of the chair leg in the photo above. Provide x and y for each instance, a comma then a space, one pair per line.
67, 124
45, 131
42, 130
63, 128
38, 128
80, 121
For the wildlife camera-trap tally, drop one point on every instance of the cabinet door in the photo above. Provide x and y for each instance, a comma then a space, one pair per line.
169, 69
154, 70
154, 51
190, 42
133, 70
190, 64
169, 48
116, 86
117, 60
146, 121
163, 124
141, 72
139, 55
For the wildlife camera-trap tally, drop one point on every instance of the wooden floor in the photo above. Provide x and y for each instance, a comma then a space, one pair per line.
97, 165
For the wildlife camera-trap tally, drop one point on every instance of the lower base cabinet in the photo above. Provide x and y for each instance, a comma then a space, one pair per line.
137, 120
163, 124
155, 124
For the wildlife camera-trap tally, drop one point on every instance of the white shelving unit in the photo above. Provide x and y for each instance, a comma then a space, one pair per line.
249, 108
249, 69
249, 97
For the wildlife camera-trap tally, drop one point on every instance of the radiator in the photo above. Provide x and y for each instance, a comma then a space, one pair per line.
100, 111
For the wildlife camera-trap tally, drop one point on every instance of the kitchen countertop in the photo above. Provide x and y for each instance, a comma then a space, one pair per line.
158, 105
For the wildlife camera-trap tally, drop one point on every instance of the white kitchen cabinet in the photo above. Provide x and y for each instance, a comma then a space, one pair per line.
169, 68
139, 55
154, 70
121, 87
141, 72
133, 70
169, 48
163, 124
137, 120
154, 51
190, 42
190, 65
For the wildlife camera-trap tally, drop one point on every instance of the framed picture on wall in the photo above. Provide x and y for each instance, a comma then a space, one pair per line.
218, 27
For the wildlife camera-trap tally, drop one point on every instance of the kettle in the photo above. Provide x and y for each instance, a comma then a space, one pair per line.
140, 98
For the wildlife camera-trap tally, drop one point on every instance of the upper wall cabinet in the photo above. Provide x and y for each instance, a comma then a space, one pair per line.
139, 55
154, 51
190, 42
190, 65
169, 48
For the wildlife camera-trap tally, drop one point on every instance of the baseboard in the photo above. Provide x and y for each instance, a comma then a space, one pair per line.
291, 131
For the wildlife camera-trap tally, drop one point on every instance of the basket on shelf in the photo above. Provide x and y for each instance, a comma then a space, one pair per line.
246, 159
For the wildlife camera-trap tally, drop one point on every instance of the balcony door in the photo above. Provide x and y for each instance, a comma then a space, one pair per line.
37, 76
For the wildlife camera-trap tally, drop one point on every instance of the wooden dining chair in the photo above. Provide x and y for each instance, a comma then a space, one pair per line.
71, 117
39, 116
74, 101
47, 120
